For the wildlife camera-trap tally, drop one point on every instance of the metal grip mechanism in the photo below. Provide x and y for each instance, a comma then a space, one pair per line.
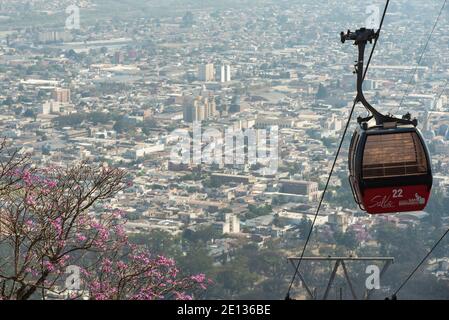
361, 37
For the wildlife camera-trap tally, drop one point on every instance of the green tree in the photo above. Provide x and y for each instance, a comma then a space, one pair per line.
124, 125
158, 242
258, 211
347, 239
29, 114
148, 125
196, 258
236, 278
99, 117
304, 227
71, 120
202, 234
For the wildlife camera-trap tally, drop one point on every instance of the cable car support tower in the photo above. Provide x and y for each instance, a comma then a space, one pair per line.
340, 262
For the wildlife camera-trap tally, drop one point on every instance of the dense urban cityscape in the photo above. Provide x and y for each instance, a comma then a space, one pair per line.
157, 89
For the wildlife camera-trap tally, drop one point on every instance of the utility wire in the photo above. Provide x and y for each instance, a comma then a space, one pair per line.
420, 264
422, 54
335, 159
442, 91
394, 297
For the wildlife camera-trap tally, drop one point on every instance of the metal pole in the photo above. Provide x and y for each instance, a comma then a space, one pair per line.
354, 295
341, 260
332, 278
301, 278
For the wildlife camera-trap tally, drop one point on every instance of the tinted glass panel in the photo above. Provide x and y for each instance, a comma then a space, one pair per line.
352, 149
393, 155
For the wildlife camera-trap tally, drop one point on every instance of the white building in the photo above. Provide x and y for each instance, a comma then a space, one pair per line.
224, 73
231, 225
142, 151
49, 107
44, 109
332, 127
339, 221
206, 72
441, 104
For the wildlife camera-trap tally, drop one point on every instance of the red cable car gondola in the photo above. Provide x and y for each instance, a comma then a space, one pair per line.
389, 163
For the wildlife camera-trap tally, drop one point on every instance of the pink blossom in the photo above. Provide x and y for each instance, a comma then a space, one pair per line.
102, 235
49, 266
120, 231
119, 213
84, 272
121, 265
80, 237
182, 296
199, 278
50, 184
32, 271
101, 291
57, 225
142, 258
29, 224
163, 261
106, 265
144, 294
174, 272
63, 260
30, 200
26, 176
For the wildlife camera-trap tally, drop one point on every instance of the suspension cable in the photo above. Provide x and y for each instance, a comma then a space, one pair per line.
422, 54
348, 122
394, 297
420, 264
443, 90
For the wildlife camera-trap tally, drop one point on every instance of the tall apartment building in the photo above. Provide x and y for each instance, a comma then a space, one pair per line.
199, 109
441, 103
61, 95
50, 107
206, 72
53, 36
224, 73
232, 224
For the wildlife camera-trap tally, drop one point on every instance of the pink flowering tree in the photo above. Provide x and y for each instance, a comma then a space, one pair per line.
54, 219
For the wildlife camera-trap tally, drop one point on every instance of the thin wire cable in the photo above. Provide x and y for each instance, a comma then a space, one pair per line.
348, 122
421, 263
443, 90
439, 96
422, 54
321, 200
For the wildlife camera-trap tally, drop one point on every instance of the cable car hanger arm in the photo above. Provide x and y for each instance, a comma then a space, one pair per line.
361, 38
